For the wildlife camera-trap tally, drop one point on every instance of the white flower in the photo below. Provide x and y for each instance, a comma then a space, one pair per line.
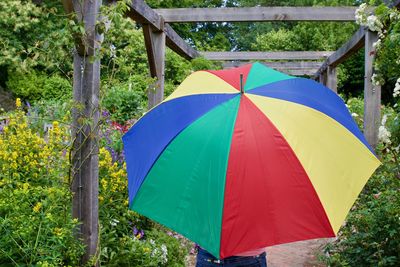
114, 222
396, 91
375, 79
377, 44
113, 51
354, 115
360, 14
394, 15
152, 242
154, 253
374, 24
164, 255
384, 135
384, 119
397, 149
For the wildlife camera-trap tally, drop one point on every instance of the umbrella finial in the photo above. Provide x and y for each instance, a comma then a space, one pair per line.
241, 83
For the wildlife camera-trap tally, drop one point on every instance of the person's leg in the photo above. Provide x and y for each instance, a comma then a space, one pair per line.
251, 261
205, 259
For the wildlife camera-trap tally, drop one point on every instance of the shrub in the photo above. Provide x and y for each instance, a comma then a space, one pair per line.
123, 102
33, 86
36, 226
128, 239
371, 235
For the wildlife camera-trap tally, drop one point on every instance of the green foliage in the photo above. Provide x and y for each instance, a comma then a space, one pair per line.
128, 239
34, 35
387, 63
371, 234
33, 86
26, 85
57, 88
124, 101
36, 226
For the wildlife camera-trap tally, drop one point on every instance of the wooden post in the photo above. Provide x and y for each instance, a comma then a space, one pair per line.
85, 131
331, 82
323, 77
372, 94
155, 47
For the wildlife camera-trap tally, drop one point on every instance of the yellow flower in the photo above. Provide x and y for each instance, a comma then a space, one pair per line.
18, 103
58, 231
14, 155
25, 187
37, 207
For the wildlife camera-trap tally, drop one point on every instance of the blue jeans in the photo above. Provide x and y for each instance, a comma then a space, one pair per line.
205, 259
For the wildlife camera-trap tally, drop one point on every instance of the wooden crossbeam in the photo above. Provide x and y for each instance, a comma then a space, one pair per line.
297, 68
142, 13
280, 65
345, 51
238, 14
279, 55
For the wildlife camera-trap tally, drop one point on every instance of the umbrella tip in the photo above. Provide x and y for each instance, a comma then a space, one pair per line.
241, 83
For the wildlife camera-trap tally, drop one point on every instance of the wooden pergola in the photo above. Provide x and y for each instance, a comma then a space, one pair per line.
158, 34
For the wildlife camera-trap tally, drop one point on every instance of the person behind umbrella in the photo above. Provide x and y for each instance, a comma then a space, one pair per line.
253, 258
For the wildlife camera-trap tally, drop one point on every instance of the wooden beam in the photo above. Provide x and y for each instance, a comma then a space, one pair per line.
372, 93
331, 79
142, 13
279, 55
240, 14
85, 161
299, 72
279, 65
178, 45
349, 48
345, 51
323, 77
291, 68
155, 47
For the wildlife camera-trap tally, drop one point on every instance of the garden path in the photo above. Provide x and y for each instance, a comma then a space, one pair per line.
297, 254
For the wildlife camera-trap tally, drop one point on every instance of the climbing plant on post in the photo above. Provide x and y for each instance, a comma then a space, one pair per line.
84, 156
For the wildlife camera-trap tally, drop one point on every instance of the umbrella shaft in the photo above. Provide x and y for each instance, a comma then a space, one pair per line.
241, 83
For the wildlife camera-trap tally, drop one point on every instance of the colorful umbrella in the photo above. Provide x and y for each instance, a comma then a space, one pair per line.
235, 170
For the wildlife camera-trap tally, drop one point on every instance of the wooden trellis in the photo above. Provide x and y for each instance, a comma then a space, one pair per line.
158, 34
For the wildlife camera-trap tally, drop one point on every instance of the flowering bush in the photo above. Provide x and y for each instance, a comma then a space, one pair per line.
127, 238
36, 226
386, 22
371, 235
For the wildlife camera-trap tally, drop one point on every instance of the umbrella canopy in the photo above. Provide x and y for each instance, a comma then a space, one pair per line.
234, 171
